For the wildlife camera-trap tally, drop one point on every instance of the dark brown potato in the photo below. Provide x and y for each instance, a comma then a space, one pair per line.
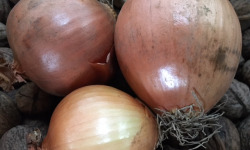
9, 114
246, 44
32, 101
242, 9
244, 131
245, 72
3, 36
4, 10
17, 138
235, 103
227, 138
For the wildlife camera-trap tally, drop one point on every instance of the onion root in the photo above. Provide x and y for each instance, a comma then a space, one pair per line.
188, 125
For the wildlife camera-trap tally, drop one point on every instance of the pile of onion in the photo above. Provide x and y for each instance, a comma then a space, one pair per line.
179, 56
62, 45
99, 117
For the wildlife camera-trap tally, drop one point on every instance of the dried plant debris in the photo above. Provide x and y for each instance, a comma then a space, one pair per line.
7, 78
32, 101
226, 139
34, 139
6, 56
9, 114
244, 132
25, 136
4, 10
236, 101
190, 126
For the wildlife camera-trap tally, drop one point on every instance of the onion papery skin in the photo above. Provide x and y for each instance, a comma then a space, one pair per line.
99, 117
62, 45
169, 49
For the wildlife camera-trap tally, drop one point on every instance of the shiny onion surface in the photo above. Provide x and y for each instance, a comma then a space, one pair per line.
62, 45
169, 49
99, 117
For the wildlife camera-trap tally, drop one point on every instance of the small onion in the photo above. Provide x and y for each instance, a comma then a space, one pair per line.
99, 117
62, 45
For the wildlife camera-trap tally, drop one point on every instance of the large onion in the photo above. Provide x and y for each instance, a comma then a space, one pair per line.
179, 56
62, 45
99, 117
171, 50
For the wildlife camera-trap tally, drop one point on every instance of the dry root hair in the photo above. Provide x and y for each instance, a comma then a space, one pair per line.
188, 125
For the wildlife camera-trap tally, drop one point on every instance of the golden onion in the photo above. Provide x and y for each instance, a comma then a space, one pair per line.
99, 117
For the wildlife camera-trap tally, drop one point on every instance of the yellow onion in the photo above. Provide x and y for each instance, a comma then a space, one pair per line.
99, 117
62, 45
171, 50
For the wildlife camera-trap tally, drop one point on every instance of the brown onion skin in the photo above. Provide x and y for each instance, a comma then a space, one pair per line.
62, 45
168, 49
